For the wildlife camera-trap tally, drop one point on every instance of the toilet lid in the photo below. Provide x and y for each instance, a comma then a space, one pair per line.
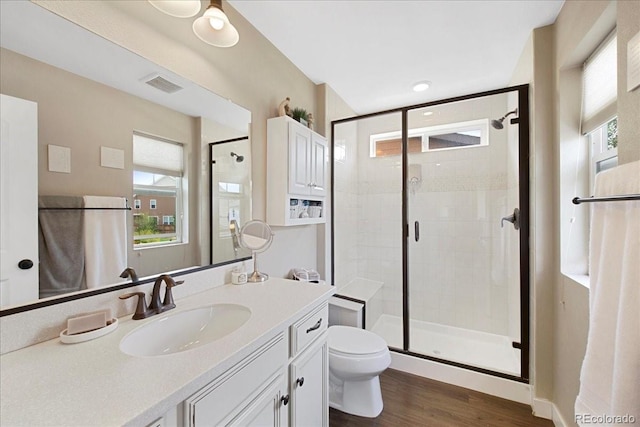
350, 340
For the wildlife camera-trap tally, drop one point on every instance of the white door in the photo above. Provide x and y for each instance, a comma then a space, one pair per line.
319, 158
18, 201
299, 168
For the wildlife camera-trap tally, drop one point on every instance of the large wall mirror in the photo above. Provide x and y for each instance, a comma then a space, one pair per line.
112, 126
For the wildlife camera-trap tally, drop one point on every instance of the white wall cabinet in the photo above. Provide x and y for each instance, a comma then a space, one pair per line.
297, 160
283, 383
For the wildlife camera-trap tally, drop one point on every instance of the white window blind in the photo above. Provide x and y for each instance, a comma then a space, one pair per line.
157, 156
600, 86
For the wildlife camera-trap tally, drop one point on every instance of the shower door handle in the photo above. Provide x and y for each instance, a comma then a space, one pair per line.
416, 228
514, 219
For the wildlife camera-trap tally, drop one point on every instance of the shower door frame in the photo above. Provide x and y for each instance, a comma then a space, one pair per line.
524, 205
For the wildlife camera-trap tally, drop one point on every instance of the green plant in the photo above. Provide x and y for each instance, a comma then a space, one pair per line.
299, 113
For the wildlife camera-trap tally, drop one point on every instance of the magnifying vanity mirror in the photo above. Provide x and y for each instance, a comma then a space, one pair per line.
256, 236
94, 98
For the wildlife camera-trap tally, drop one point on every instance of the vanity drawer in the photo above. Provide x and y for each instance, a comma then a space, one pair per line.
307, 329
224, 397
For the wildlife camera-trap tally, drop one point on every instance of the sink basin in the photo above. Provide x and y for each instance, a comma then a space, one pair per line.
185, 330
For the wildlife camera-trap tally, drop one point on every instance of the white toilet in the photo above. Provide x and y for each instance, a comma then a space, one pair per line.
356, 359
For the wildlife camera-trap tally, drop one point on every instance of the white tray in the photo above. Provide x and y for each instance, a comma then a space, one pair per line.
87, 336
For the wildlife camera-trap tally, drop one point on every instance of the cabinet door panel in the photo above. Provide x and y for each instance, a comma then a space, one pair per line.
225, 396
267, 410
299, 173
309, 385
319, 155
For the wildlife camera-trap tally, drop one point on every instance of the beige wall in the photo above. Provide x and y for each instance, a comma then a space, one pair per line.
535, 68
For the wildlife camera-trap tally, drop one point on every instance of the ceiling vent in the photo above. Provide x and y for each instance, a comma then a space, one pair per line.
161, 83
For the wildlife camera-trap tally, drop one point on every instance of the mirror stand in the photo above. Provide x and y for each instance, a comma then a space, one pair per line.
256, 276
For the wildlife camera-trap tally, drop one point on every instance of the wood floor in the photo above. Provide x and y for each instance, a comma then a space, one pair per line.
414, 401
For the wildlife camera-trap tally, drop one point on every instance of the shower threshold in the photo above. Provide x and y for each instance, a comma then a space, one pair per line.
469, 347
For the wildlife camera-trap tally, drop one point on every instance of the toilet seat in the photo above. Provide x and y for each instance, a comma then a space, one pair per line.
351, 341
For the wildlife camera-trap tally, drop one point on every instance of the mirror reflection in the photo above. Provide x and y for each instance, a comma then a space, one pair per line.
120, 150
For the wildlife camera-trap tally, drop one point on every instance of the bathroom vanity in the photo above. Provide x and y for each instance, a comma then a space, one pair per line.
271, 370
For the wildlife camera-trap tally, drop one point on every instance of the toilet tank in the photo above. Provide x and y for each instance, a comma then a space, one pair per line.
345, 312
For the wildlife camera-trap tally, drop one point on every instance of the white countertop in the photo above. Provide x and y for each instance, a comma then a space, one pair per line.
94, 383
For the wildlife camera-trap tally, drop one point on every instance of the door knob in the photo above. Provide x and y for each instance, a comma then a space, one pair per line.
514, 219
25, 264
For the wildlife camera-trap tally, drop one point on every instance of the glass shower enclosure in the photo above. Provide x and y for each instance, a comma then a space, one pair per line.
430, 228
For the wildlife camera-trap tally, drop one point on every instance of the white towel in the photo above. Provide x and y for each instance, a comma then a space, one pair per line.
105, 234
610, 376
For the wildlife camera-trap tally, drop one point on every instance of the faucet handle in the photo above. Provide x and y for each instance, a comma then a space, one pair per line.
141, 308
168, 303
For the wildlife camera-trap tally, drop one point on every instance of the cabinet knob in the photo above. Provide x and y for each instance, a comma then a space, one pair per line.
285, 400
300, 381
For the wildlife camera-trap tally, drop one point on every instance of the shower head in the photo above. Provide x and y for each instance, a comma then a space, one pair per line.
239, 159
497, 124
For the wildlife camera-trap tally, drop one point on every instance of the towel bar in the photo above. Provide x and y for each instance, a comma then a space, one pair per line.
578, 200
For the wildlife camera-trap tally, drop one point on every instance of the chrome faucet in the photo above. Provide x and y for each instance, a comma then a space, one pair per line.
167, 303
156, 306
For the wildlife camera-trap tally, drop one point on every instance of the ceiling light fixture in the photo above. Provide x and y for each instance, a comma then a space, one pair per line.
421, 86
177, 8
214, 28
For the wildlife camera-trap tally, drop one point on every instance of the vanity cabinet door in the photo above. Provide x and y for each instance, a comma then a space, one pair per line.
238, 389
308, 382
268, 409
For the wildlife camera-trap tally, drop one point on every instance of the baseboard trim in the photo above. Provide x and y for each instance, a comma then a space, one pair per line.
543, 408
558, 420
488, 384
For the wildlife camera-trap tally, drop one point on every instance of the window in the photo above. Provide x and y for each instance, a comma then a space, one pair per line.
600, 86
137, 204
158, 181
603, 145
450, 136
599, 95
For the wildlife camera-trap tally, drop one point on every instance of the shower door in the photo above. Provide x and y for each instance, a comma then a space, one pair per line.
430, 228
367, 232
463, 258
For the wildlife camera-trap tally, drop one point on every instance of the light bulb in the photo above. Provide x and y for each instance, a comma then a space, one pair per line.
216, 23
217, 18
421, 86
